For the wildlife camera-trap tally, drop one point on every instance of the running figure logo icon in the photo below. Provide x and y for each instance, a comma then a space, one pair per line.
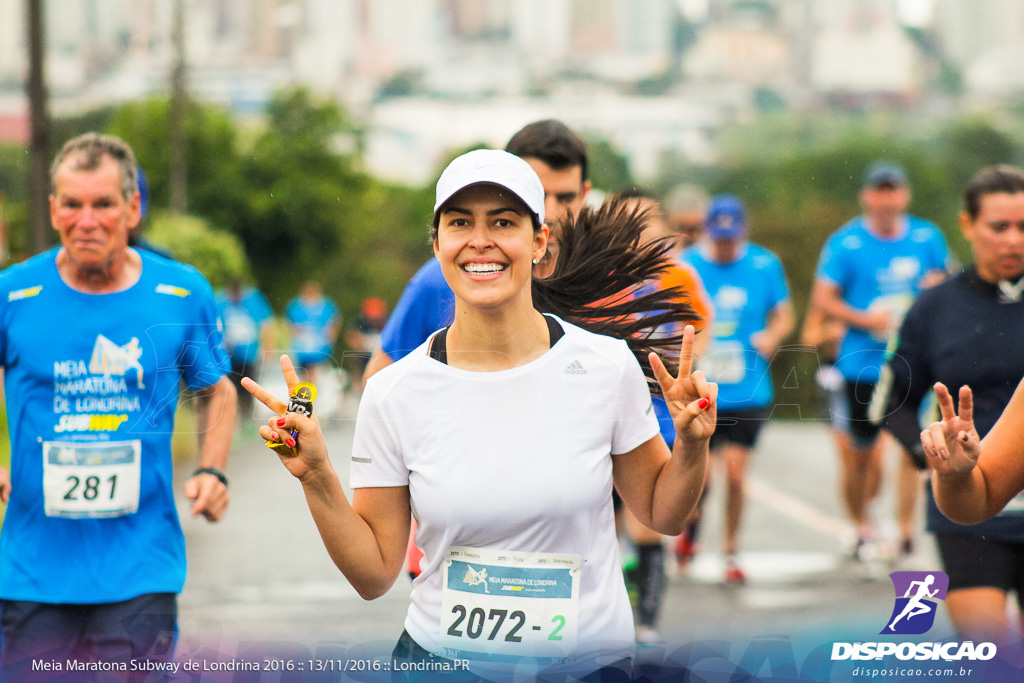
914, 612
476, 577
110, 359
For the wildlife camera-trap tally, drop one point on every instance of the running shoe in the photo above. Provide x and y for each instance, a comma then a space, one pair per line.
865, 550
734, 576
904, 558
686, 547
648, 635
869, 561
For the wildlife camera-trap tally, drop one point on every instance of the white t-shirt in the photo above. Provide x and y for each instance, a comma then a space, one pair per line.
515, 460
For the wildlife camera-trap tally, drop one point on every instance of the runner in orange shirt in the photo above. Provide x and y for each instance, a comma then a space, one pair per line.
649, 573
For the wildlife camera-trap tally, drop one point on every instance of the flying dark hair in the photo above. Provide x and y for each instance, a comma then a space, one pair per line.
552, 142
600, 283
998, 179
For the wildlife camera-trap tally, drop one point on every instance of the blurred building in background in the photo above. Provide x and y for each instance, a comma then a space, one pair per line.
984, 39
425, 76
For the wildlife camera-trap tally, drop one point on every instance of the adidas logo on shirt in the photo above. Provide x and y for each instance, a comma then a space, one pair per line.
575, 368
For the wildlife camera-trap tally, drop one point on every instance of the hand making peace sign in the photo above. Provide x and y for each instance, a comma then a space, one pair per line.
310, 450
691, 399
952, 445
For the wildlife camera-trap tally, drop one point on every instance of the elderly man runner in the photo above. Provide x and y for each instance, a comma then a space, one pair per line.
95, 338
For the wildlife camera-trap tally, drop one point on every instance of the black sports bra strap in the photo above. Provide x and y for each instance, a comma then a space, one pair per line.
555, 330
439, 348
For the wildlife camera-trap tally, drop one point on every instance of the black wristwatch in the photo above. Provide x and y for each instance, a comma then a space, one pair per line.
214, 471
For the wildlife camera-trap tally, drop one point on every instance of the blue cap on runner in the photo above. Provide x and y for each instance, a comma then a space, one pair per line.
726, 218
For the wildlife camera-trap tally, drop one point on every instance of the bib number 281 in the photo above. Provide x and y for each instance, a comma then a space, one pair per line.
91, 479
90, 488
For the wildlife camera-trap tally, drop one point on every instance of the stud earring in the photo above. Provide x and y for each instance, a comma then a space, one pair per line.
536, 261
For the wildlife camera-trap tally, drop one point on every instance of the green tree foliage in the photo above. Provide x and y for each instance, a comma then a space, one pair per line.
381, 252
974, 143
13, 172
292, 195
217, 254
216, 189
14, 197
608, 167
303, 195
67, 127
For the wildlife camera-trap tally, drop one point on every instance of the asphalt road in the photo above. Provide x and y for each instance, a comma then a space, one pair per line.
260, 580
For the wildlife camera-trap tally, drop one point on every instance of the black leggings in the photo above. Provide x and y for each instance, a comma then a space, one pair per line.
971, 561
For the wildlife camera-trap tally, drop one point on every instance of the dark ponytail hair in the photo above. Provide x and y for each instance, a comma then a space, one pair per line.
600, 269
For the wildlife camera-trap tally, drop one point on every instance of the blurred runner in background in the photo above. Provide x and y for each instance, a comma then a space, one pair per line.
868, 274
364, 337
647, 574
248, 335
314, 323
753, 315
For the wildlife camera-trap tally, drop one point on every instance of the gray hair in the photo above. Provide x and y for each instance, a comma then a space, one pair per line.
686, 199
88, 151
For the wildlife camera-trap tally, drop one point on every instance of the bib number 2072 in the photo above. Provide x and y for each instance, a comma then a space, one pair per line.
474, 623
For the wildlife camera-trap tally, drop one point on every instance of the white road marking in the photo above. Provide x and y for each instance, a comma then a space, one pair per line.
796, 509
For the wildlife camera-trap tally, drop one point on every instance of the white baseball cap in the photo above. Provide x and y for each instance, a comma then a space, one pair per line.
495, 167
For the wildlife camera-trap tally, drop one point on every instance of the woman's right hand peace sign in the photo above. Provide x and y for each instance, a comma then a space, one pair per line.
690, 398
952, 446
308, 451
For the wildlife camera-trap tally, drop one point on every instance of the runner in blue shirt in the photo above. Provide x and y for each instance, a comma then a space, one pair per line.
426, 305
869, 273
314, 322
95, 338
248, 333
753, 314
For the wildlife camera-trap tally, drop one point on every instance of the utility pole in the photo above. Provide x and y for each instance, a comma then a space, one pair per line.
39, 137
179, 106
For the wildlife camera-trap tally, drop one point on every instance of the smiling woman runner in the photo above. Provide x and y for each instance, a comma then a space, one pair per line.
505, 432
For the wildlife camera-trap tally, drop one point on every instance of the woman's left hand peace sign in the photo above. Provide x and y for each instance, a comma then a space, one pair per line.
691, 399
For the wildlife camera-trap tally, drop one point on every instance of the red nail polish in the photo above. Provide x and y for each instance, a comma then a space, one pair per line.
703, 403
280, 422
289, 442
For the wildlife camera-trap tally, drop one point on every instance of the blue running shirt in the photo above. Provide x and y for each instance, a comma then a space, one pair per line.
744, 293
242, 321
877, 273
310, 323
92, 384
426, 305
